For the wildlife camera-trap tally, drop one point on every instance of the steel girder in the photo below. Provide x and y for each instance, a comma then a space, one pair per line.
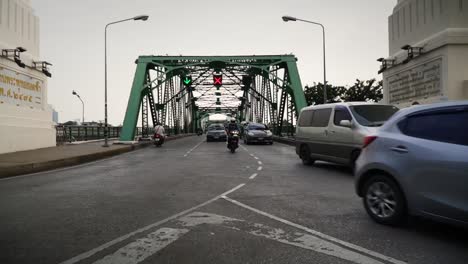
158, 82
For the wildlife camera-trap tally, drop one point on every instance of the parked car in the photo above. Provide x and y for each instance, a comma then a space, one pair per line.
334, 132
257, 133
216, 132
417, 164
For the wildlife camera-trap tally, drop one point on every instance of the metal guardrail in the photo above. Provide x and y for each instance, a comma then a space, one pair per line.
84, 133
68, 134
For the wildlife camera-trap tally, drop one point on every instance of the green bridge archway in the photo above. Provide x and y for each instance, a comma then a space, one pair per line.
178, 91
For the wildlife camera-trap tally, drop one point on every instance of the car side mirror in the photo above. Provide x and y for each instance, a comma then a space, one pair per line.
346, 123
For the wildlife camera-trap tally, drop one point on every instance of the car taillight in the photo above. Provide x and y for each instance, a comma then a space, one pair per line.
368, 140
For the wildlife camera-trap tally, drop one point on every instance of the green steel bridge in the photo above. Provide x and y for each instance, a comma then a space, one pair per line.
180, 91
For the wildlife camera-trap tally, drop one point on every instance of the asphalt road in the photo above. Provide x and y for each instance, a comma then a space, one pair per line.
194, 202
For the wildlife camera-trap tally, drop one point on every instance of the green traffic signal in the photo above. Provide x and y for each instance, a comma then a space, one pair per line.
187, 80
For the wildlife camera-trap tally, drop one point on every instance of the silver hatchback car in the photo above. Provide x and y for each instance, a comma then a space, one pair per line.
417, 164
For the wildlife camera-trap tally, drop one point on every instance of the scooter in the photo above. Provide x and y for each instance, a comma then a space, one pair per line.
233, 141
158, 140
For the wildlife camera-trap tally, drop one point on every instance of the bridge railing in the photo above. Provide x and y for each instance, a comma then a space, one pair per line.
69, 134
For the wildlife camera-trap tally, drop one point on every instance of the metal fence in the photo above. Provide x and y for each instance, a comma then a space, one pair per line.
67, 134
84, 133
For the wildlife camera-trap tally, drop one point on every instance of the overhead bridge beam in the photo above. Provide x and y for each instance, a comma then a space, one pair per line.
159, 81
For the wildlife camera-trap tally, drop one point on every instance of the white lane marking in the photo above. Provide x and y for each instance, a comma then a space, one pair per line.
199, 218
259, 162
260, 168
192, 149
143, 248
256, 158
296, 239
251, 154
253, 176
91, 252
318, 234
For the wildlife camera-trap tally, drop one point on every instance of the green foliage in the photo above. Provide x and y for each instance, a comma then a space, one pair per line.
314, 94
370, 91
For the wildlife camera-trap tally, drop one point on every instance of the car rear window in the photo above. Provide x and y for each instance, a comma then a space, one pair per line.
216, 127
372, 115
257, 127
446, 126
321, 117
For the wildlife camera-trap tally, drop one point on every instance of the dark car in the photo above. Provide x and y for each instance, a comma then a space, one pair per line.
257, 133
216, 132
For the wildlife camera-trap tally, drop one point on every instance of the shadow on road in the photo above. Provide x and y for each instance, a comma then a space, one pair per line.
333, 167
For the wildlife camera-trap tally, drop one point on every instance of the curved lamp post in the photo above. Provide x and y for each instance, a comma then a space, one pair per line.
143, 18
77, 95
290, 18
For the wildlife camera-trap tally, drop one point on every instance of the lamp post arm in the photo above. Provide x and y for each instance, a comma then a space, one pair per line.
115, 22
324, 58
82, 103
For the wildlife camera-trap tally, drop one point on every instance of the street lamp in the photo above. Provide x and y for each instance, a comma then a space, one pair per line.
77, 95
290, 18
143, 18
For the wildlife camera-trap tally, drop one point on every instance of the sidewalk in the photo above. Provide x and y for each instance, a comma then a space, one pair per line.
24, 162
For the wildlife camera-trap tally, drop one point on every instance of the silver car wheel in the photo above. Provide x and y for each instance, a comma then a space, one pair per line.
381, 199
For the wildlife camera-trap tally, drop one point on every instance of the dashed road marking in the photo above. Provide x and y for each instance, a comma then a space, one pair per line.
192, 149
256, 158
260, 168
253, 176
318, 234
259, 163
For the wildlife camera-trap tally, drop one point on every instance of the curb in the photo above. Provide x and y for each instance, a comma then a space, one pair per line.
12, 171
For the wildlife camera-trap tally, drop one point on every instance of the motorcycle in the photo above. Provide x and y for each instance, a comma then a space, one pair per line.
158, 140
233, 141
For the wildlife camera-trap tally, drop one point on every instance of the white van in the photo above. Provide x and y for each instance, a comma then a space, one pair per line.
335, 132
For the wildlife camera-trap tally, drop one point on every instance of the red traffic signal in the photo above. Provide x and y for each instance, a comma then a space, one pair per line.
218, 80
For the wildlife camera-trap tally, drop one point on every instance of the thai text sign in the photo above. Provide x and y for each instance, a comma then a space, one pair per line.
20, 89
419, 82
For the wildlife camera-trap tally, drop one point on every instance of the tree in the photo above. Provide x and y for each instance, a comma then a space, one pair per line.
369, 91
314, 94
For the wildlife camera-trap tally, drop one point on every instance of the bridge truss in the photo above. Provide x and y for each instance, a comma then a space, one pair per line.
263, 89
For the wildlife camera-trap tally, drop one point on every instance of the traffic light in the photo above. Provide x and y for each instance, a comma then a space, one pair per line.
217, 80
187, 80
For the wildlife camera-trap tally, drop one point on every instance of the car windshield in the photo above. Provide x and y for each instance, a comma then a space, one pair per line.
372, 115
258, 127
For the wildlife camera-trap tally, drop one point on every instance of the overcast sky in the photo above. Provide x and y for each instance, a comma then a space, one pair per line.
72, 38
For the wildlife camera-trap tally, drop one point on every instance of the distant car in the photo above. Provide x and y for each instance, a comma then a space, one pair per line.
417, 164
257, 133
334, 132
216, 132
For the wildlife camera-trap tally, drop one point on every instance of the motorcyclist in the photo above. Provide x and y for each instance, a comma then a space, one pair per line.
159, 130
232, 126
